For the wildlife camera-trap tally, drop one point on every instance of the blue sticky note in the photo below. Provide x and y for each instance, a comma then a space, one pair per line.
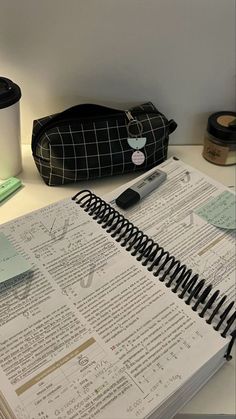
220, 211
11, 262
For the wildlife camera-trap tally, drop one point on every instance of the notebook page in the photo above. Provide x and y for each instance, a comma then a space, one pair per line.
167, 216
90, 332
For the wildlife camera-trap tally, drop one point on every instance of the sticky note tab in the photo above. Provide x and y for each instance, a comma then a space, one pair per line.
11, 262
220, 211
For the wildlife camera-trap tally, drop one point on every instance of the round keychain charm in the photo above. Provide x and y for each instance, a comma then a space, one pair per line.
138, 158
136, 141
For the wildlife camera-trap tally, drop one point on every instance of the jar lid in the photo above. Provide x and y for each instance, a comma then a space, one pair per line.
222, 125
10, 92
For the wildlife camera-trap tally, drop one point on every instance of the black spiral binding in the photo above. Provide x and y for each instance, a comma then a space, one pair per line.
176, 276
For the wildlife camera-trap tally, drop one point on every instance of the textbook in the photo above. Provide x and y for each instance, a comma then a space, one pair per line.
122, 314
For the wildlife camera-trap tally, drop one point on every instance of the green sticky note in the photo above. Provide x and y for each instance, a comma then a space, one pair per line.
220, 211
11, 262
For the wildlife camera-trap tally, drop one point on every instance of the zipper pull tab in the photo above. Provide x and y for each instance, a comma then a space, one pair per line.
129, 116
134, 125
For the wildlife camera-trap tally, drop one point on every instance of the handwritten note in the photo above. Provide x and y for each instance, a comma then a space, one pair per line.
11, 262
220, 211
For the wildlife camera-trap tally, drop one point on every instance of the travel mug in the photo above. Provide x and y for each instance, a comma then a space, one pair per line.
10, 147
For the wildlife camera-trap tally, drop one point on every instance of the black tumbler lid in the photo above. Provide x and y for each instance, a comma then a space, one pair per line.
222, 126
10, 93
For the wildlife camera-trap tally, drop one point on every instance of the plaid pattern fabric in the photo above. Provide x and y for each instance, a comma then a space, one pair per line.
75, 148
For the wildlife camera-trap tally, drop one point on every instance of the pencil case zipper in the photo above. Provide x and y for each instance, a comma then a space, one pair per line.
57, 121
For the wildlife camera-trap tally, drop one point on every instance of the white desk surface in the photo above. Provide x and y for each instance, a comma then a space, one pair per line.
217, 399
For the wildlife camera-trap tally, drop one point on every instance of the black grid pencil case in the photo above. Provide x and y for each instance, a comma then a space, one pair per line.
92, 141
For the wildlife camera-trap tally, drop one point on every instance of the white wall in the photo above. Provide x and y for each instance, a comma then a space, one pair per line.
180, 54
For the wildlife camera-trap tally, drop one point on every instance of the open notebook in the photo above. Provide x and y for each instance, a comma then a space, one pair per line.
107, 324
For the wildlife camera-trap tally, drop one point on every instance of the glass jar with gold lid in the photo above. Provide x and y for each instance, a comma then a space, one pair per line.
220, 138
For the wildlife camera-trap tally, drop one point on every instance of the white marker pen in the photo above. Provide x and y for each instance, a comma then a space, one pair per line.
140, 189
